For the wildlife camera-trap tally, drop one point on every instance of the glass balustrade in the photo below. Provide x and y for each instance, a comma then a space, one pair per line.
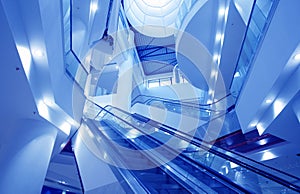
260, 17
248, 174
73, 66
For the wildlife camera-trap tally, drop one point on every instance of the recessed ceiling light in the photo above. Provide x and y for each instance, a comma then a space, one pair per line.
38, 53
237, 74
222, 11
219, 36
269, 101
297, 57
94, 7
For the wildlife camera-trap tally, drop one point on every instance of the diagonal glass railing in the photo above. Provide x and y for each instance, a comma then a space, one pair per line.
189, 107
247, 173
153, 180
191, 175
260, 18
94, 138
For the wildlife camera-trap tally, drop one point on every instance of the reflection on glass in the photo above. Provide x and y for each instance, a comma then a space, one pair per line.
259, 19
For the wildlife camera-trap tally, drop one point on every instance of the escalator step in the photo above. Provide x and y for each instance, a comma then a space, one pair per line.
153, 178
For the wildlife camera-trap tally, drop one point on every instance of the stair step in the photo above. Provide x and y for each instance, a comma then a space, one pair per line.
153, 177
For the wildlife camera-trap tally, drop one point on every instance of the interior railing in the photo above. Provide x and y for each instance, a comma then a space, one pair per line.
73, 66
190, 107
131, 183
253, 172
260, 18
125, 127
184, 9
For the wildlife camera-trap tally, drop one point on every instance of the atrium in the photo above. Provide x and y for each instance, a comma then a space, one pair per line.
150, 96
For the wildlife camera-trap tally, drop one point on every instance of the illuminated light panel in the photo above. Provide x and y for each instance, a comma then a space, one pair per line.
267, 155
214, 73
49, 101
66, 128
260, 128
43, 110
253, 124
222, 11
156, 3
26, 59
216, 57
105, 155
269, 101
155, 18
262, 142
237, 74
219, 37
297, 57
278, 106
94, 7
233, 165
38, 53
132, 134
63, 145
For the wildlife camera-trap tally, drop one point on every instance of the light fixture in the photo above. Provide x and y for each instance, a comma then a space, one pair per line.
278, 106
222, 11
260, 128
253, 124
237, 74
49, 101
63, 145
233, 165
94, 7
269, 101
25, 57
297, 57
268, 155
65, 127
43, 109
216, 57
209, 101
38, 53
218, 37
156, 3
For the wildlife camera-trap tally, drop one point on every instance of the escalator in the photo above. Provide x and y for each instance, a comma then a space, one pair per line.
155, 180
158, 167
197, 179
190, 107
196, 168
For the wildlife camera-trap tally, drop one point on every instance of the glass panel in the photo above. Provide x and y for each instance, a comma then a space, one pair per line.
265, 6
75, 70
165, 82
255, 31
144, 134
185, 8
259, 18
153, 83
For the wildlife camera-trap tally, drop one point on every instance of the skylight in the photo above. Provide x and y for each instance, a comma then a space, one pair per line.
154, 18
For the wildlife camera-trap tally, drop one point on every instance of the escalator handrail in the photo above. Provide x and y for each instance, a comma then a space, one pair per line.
195, 106
190, 161
136, 187
225, 156
177, 101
